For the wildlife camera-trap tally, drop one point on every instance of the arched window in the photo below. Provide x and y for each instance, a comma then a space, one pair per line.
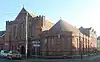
14, 32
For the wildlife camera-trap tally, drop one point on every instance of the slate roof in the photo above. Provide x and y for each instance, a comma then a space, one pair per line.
61, 25
98, 38
1, 33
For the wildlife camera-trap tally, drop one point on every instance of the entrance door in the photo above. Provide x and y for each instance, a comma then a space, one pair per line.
22, 50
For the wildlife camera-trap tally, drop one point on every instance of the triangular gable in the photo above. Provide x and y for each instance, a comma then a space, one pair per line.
22, 14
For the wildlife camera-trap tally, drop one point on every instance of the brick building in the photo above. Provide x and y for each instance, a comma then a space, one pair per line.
64, 39
92, 35
4, 44
45, 38
16, 29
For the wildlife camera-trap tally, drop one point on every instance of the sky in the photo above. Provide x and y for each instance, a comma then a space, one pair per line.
78, 13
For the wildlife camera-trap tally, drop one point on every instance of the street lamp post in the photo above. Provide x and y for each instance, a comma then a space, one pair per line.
88, 46
80, 46
26, 43
83, 43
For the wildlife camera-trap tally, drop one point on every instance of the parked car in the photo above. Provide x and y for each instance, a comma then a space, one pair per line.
1, 51
4, 53
14, 54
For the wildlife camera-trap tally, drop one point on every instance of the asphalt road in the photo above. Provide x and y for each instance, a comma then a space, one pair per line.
92, 59
7, 60
38, 60
46, 60
95, 59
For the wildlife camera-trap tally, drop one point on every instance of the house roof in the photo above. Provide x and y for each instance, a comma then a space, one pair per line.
98, 38
2, 33
23, 11
61, 25
86, 28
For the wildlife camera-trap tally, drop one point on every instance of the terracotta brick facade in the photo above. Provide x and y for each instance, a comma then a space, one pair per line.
61, 39
16, 29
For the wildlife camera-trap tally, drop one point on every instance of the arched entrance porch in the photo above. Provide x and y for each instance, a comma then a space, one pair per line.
22, 50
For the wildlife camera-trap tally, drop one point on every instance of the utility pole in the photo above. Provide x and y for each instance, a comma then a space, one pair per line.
83, 44
80, 45
88, 46
26, 44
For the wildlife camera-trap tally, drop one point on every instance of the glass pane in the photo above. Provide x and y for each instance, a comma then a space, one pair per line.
6, 51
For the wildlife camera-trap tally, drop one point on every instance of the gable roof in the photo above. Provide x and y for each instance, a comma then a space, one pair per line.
98, 38
2, 33
23, 11
63, 26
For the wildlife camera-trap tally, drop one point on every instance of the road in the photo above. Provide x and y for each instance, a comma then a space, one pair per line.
95, 59
39, 60
6, 60
92, 59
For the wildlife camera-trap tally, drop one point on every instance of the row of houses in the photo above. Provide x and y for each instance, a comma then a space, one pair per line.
46, 38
